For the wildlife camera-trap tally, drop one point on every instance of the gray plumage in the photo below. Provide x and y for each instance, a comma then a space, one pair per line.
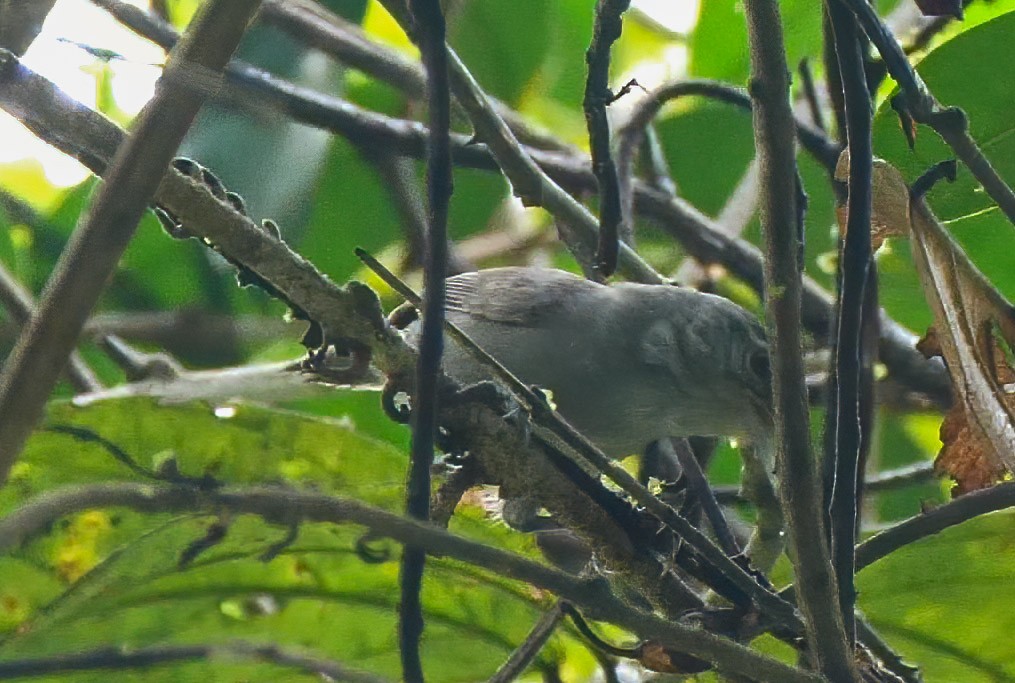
627, 364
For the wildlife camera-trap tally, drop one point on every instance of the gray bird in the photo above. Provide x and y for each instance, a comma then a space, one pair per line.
627, 364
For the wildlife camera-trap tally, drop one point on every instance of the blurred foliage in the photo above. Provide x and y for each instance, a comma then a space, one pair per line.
115, 575
112, 576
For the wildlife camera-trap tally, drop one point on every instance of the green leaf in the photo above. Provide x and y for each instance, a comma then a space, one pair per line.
962, 72
719, 40
111, 576
708, 146
942, 601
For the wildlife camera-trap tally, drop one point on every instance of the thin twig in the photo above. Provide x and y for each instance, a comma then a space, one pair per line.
605, 31
856, 258
891, 659
934, 521
629, 136
811, 95
123, 658
733, 219
950, 123
134, 174
528, 180
530, 647
430, 33
798, 481
282, 505
332, 34
19, 305
699, 488
888, 480
917, 473
833, 80
399, 180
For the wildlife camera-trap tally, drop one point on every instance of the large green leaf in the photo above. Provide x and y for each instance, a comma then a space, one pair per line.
719, 41
708, 146
112, 577
944, 602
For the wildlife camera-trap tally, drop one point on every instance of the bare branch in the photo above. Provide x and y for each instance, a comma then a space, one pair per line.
798, 480
606, 30
122, 659
135, 172
19, 305
530, 647
310, 22
848, 459
428, 19
528, 180
959, 510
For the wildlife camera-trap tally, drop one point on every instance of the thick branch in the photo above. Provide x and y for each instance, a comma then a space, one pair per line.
85, 266
855, 266
798, 481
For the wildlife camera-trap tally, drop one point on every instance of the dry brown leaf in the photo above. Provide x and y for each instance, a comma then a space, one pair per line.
889, 201
965, 455
968, 310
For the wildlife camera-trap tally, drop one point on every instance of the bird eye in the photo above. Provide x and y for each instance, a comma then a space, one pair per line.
759, 365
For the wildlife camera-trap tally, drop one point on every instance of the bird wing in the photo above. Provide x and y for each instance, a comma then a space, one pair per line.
515, 296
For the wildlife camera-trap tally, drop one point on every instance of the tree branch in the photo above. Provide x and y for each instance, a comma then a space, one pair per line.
20, 306
854, 269
121, 659
520, 659
935, 521
84, 268
950, 123
430, 35
332, 34
605, 31
281, 506
528, 180
798, 485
